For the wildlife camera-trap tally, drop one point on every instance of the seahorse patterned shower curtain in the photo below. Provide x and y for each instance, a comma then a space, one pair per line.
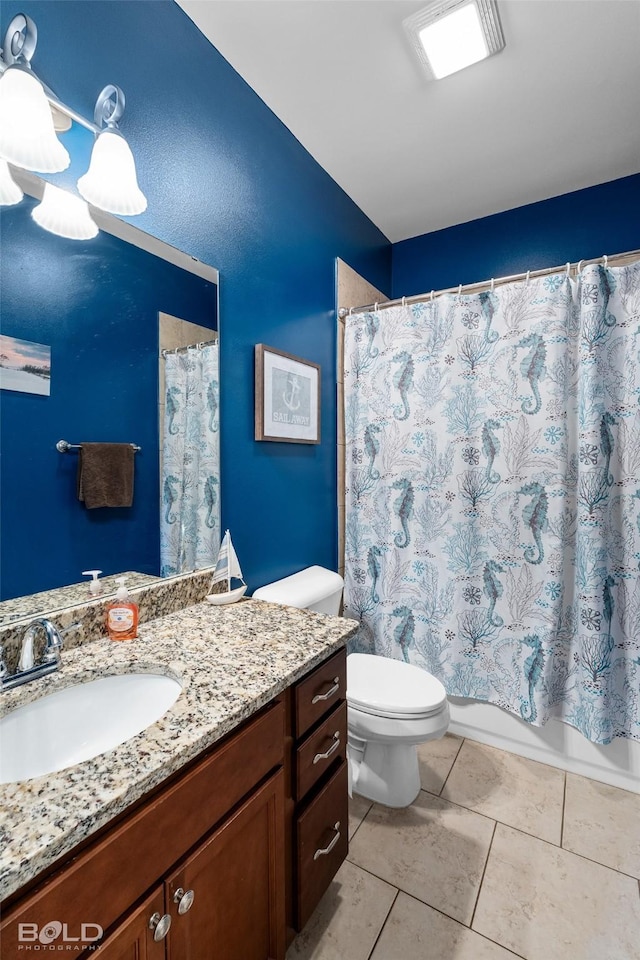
190, 516
493, 494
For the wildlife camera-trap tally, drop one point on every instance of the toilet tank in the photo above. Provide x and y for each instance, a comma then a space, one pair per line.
314, 588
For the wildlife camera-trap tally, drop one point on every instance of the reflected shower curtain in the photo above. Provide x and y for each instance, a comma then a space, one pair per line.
190, 514
493, 494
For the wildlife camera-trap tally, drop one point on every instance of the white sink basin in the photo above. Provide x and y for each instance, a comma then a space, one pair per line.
81, 722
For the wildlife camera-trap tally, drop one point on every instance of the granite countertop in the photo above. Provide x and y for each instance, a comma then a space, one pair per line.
231, 661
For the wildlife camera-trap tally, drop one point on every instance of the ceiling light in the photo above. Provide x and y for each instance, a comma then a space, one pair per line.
110, 182
62, 213
10, 192
453, 34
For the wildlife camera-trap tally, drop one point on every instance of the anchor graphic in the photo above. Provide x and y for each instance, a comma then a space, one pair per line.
290, 396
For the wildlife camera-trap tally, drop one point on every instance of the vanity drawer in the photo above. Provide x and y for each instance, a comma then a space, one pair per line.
322, 843
320, 691
101, 882
322, 749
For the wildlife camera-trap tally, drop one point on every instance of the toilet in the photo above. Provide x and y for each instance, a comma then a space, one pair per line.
392, 706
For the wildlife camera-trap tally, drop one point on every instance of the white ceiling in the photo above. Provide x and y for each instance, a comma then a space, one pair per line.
558, 109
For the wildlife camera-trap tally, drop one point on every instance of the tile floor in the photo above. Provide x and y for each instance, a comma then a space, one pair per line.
499, 857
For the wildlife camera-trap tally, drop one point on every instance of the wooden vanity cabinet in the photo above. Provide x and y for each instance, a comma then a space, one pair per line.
223, 860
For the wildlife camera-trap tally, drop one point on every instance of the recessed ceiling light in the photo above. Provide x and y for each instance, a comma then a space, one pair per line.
452, 34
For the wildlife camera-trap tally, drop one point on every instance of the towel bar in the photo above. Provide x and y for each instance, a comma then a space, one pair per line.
63, 446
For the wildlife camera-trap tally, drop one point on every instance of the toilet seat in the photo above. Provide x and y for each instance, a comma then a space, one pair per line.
394, 689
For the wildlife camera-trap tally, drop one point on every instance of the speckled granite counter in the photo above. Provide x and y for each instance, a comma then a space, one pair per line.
230, 660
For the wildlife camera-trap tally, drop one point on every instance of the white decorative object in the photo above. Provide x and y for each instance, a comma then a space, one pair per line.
227, 569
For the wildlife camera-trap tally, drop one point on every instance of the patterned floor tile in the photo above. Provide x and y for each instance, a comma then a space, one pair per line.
602, 823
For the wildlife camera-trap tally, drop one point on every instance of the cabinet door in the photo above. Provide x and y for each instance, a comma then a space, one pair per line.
231, 889
133, 939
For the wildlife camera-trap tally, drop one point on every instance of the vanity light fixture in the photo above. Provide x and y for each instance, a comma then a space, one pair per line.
64, 214
30, 114
450, 35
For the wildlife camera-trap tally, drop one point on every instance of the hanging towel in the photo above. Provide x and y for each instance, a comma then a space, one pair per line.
105, 475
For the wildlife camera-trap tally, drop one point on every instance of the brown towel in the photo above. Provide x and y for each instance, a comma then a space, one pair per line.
105, 474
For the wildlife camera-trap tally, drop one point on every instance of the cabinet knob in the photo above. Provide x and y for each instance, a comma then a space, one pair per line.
323, 851
184, 899
159, 925
325, 696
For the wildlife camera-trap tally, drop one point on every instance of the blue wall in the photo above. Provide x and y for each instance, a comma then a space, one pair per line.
229, 184
96, 304
580, 225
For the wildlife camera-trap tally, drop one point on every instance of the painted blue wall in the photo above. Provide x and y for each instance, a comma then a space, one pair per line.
581, 225
229, 184
95, 303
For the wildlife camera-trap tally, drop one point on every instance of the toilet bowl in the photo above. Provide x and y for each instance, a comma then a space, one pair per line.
392, 706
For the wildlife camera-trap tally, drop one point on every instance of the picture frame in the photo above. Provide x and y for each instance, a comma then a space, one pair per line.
287, 399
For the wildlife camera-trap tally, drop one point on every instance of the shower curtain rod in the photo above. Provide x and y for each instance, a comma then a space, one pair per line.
488, 284
190, 346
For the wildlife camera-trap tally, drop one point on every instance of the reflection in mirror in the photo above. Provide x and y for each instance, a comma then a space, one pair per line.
102, 310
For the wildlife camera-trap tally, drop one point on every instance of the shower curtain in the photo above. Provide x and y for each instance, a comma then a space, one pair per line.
190, 515
493, 494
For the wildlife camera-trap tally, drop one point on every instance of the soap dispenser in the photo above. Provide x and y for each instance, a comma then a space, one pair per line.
95, 585
122, 614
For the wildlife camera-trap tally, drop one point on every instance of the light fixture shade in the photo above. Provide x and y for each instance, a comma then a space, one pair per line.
27, 136
65, 215
110, 183
450, 35
10, 192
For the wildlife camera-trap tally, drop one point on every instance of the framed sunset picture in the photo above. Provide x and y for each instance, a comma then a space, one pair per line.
25, 366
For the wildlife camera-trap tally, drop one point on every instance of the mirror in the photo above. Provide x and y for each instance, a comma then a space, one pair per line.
94, 308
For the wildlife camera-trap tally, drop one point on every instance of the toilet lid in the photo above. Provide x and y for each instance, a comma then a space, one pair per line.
392, 687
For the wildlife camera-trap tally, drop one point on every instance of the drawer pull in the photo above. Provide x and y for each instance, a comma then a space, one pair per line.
325, 696
323, 851
184, 900
332, 749
160, 926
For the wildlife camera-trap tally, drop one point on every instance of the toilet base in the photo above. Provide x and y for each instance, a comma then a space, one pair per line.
382, 772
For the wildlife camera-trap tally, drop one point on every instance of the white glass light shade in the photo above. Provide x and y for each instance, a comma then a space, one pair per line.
110, 183
10, 192
65, 215
27, 136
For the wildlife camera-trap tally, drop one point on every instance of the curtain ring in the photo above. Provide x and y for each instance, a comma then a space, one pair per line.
460, 290
606, 261
432, 296
580, 262
492, 284
527, 278
375, 307
568, 268
404, 301
350, 310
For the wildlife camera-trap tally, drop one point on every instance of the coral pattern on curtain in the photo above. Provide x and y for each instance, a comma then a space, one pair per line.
493, 494
190, 513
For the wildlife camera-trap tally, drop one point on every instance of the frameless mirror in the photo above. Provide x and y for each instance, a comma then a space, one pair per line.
84, 328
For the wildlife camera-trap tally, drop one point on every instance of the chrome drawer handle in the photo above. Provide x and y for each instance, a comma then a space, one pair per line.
160, 926
184, 899
332, 749
325, 696
324, 851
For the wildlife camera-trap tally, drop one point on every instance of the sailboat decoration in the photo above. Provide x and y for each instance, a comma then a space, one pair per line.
227, 569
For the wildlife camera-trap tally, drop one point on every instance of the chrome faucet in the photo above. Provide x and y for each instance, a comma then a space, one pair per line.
51, 659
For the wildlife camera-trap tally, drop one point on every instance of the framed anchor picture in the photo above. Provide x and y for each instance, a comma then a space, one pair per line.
287, 397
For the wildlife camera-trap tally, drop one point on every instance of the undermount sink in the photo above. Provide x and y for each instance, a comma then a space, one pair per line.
81, 722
